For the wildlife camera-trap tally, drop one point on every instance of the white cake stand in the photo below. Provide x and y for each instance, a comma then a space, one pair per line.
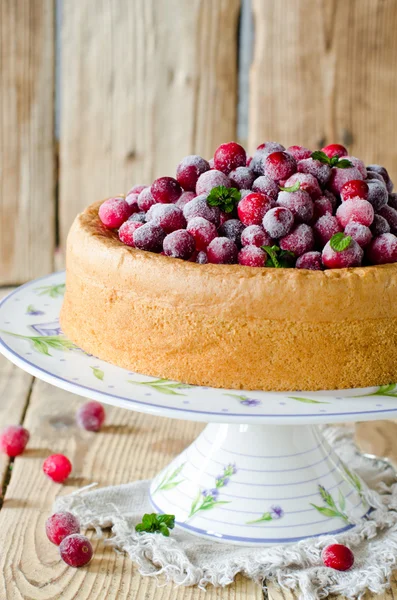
260, 473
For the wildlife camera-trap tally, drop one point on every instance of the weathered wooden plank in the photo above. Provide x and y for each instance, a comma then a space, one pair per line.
323, 72
27, 177
130, 446
143, 83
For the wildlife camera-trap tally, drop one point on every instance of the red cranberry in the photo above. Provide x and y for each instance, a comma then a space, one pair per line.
60, 525
114, 211
203, 232
166, 190
201, 258
299, 203
198, 207
337, 556
269, 147
341, 176
222, 251
307, 182
136, 189
76, 550
334, 150
358, 163
229, 156
126, 232
139, 217
390, 214
310, 260
265, 185
360, 233
325, 228
254, 235
184, 199
280, 165
377, 194
383, 249
91, 416
232, 229
249, 160
379, 226
145, 199
149, 237
356, 188
332, 198
168, 216
189, 170
179, 244
223, 217
373, 175
242, 178
299, 241
13, 440
393, 200
278, 221
252, 256
316, 168
211, 163
299, 152
210, 179
321, 207
252, 208
132, 201
258, 160
351, 257
58, 467
383, 172
356, 210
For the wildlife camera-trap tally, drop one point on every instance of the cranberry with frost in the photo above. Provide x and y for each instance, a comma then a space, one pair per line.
252, 208
244, 193
310, 260
139, 217
358, 164
185, 198
57, 467
393, 200
201, 258
334, 150
263, 150
325, 228
242, 178
299, 241
114, 211
254, 235
350, 257
322, 207
383, 249
76, 550
359, 211
252, 256
222, 251
338, 556
379, 226
341, 176
132, 201
360, 233
332, 198
382, 171
232, 229
210, 179
299, 203
149, 237
145, 200
13, 440
179, 244
299, 152
198, 207
307, 182
126, 232
316, 168
278, 221
136, 189
166, 190
373, 175
60, 525
91, 416
270, 147
189, 170
168, 216
223, 217
229, 156
377, 194
390, 214
356, 188
279, 166
202, 231
249, 160
265, 185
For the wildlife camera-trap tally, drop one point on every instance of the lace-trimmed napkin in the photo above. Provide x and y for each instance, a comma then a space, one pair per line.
189, 560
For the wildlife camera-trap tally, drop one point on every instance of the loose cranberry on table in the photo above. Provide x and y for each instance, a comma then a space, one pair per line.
316, 168
280, 166
342, 252
359, 211
265, 185
299, 203
390, 214
58, 467
198, 207
334, 150
299, 152
229, 156
13, 440
278, 221
149, 237
242, 178
189, 170
255, 235
252, 208
179, 244
145, 199
310, 260
379, 226
222, 251
252, 256
299, 241
339, 177
382, 171
76, 550
338, 557
321, 207
168, 216
325, 228
383, 249
126, 232
307, 182
60, 525
166, 190
202, 231
211, 179
91, 416
360, 233
356, 188
114, 211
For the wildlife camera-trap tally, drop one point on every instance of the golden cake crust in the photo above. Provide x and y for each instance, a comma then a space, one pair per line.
228, 325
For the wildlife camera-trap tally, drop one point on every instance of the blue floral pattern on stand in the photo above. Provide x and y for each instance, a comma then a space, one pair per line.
273, 514
208, 498
33, 312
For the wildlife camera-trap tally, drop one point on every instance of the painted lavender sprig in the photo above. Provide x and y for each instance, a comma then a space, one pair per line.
164, 386
332, 508
244, 400
274, 513
33, 312
170, 480
51, 290
42, 343
208, 499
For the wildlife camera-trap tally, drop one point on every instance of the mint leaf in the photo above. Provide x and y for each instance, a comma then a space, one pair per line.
340, 242
343, 163
321, 156
226, 198
154, 522
293, 188
277, 258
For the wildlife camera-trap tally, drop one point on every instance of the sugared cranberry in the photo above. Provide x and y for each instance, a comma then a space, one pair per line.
189, 170
254, 235
229, 156
201, 258
248, 161
126, 232
356, 188
168, 216
242, 178
358, 164
222, 251
393, 200
139, 217
307, 182
278, 221
377, 194
390, 214
252, 256
60, 525
91, 416
203, 232
359, 211
299, 152
58, 467
265, 185
211, 163
179, 244
332, 198
384, 173
280, 166
13, 440
149, 237
379, 226
136, 189
325, 228
76, 550
374, 175
269, 147
383, 249
145, 199
184, 199
322, 207
316, 168
211, 179
114, 211
334, 150
132, 201
350, 257
341, 176
299, 203
223, 217
252, 208
310, 260
299, 241
337, 556
244, 193
360, 233
166, 190
263, 150
198, 207
232, 229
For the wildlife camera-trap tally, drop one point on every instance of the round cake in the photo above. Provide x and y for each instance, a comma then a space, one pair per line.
229, 325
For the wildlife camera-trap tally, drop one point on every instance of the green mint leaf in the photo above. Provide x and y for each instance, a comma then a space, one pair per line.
334, 161
340, 242
277, 258
154, 522
293, 188
226, 198
321, 156
343, 163
164, 530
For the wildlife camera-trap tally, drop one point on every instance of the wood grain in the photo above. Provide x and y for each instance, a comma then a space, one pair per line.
325, 72
143, 83
27, 177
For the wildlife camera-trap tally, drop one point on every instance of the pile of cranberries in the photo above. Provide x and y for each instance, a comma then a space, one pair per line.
280, 208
